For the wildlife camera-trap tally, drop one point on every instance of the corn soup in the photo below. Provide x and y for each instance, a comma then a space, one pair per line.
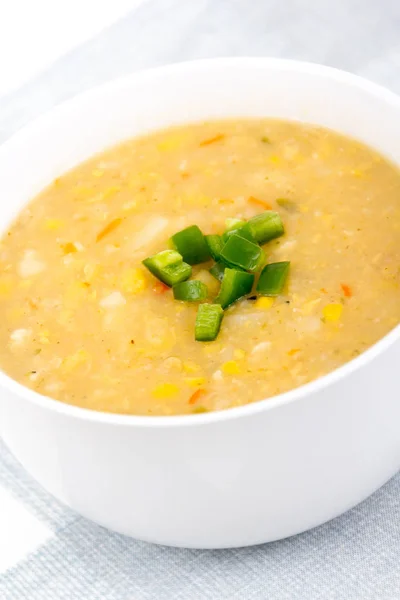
113, 300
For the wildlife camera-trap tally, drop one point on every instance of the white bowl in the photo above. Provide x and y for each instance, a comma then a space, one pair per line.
242, 476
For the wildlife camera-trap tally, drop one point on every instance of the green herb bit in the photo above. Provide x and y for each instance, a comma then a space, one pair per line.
190, 291
215, 244
168, 267
218, 271
266, 226
265, 139
239, 252
241, 228
191, 244
208, 322
287, 204
273, 278
235, 285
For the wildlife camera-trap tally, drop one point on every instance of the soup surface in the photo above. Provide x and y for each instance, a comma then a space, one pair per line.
84, 322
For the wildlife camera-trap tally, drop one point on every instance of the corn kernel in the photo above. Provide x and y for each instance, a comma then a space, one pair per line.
191, 367
75, 360
53, 224
332, 312
231, 367
44, 336
239, 353
195, 381
133, 281
170, 143
264, 303
165, 390
5, 286
275, 160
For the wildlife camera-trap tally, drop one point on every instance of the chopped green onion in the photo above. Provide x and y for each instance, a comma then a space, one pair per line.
208, 322
215, 244
265, 139
242, 229
232, 223
190, 291
273, 278
235, 285
218, 271
239, 252
191, 244
168, 266
266, 226
287, 204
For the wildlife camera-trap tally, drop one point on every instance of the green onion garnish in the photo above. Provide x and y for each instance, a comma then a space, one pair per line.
273, 278
218, 271
208, 322
241, 228
190, 291
215, 244
266, 226
191, 244
168, 267
287, 204
235, 285
239, 252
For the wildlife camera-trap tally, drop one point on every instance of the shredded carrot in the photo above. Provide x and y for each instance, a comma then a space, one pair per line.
196, 395
160, 288
262, 203
346, 290
293, 351
108, 228
216, 138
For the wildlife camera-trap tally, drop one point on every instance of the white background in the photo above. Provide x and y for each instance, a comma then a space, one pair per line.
34, 33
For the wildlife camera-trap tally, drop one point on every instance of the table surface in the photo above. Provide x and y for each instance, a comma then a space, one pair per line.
53, 554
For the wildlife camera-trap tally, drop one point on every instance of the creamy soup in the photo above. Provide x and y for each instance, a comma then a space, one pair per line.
85, 322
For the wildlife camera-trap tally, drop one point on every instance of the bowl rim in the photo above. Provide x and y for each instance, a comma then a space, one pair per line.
253, 408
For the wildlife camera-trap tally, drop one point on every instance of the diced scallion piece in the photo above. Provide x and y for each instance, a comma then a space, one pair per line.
242, 253
190, 291
218, 271
241, 228
273, 278
215, 244
208, 322
235, 285
191, 244
266, 226
287, 204
168, 267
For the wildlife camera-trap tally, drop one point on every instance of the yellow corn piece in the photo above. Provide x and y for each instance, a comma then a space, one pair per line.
275, 160
5, 286
111, 191
165, 390
170, 143
195, 381
53, 224
75, 293
133, 281
239, 353
44, 336
231, 367
309, 306
97, 173
357, 173
191, 367
75, 360
82, 192
264, 303
332, 312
